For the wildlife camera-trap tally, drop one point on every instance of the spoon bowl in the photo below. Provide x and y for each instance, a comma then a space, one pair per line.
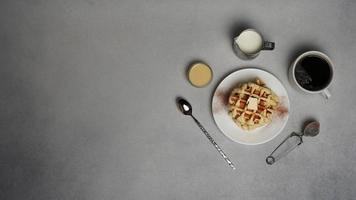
184, 106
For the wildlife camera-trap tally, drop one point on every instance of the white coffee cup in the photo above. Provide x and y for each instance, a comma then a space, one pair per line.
324, 88
249, 43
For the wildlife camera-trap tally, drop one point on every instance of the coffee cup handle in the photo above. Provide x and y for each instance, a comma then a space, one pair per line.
268, 45
326, 93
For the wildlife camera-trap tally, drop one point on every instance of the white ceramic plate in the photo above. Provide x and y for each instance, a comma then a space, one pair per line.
224, 121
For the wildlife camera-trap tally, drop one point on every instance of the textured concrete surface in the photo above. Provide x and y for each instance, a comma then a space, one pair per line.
87, 92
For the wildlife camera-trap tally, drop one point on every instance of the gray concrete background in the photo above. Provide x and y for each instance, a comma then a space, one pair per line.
87, 91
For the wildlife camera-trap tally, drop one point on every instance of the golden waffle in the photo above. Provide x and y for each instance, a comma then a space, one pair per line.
245, 116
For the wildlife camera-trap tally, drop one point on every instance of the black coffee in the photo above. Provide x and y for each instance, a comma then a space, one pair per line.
313, 73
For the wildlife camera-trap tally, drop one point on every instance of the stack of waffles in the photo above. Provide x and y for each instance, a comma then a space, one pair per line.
251, 105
